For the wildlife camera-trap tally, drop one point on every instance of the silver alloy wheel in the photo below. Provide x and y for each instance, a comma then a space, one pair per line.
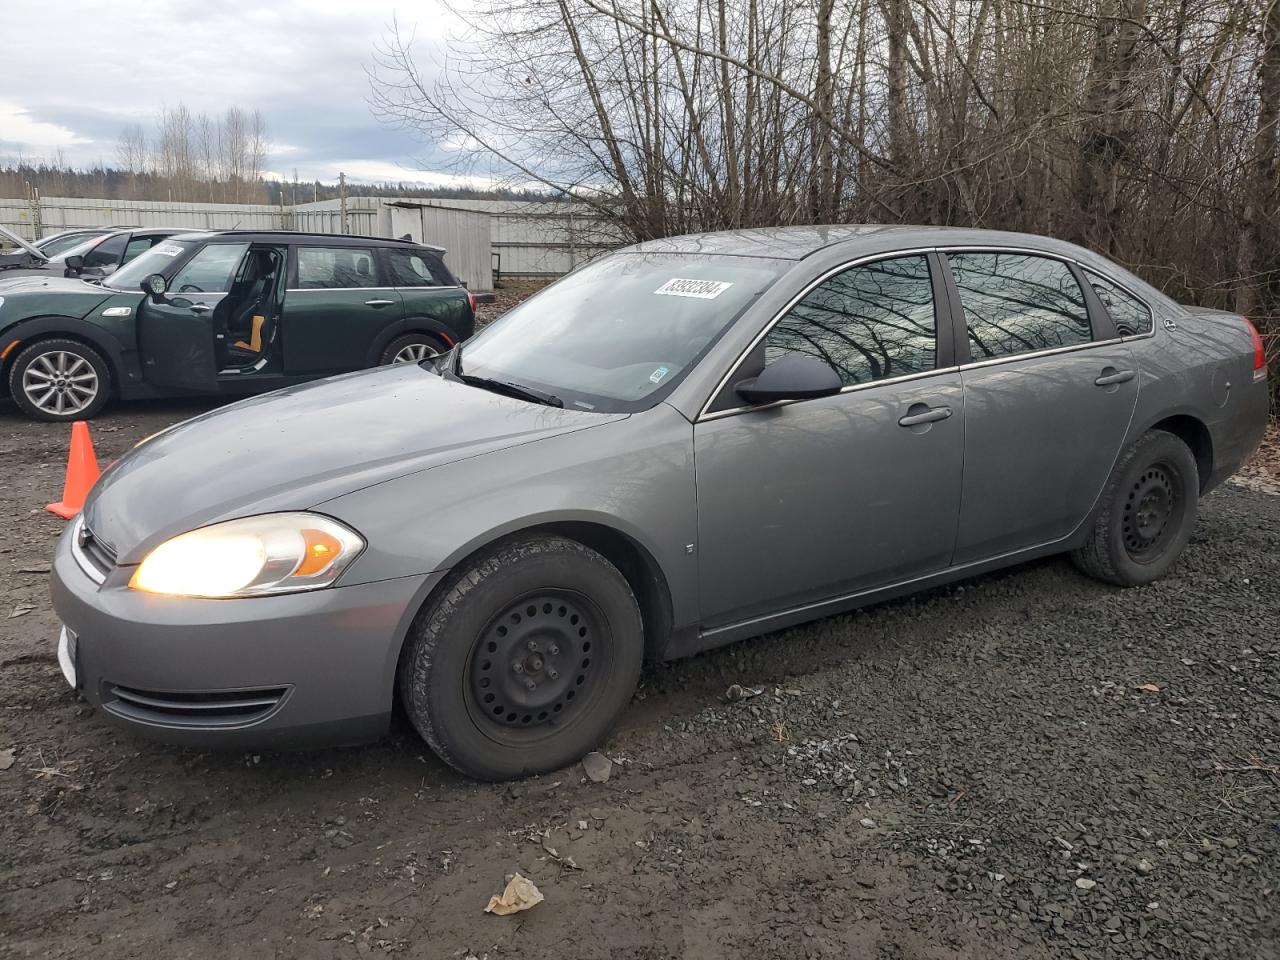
60, 382
414, 352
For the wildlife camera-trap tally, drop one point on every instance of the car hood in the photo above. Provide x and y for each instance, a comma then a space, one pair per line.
300, 446
29, 296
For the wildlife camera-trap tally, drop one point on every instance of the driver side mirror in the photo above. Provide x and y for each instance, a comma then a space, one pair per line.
155, 285
74, 265
793, 376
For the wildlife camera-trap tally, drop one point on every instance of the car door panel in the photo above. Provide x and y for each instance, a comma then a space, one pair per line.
1042, 437
332, 314
178, 335
809, 500
1048, 402
177, 342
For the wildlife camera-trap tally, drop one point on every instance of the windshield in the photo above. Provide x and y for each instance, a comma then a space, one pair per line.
155, 260
618, 334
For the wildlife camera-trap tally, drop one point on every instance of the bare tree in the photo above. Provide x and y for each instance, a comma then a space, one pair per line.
1143, 128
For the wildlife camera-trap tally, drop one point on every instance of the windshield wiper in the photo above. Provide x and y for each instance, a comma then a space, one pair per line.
519, 391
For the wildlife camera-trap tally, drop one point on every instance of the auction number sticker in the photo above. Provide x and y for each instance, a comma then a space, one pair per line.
698, 289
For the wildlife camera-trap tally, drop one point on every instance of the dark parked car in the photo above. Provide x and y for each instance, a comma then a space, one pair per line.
96, 256
64, 240
682, 444
227, 312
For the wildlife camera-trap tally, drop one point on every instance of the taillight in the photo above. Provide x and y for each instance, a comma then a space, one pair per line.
1259, 353
471, 301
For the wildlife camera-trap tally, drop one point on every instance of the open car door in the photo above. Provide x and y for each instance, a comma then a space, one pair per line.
179, 335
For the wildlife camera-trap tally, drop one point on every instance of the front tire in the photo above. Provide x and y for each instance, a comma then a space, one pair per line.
525, 661
60, 380
1147, 515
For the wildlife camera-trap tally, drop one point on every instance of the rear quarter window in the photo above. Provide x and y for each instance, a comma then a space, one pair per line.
1131, 316
416, 268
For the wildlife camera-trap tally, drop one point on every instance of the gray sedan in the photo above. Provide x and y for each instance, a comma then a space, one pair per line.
684, 443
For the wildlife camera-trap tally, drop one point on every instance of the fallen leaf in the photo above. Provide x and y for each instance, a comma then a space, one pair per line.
6, 759
520, 894
20, 611
1148, 687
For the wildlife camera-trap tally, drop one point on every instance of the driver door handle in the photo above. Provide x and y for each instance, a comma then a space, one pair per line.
378, 303
928, 416
1115, 376
200, 308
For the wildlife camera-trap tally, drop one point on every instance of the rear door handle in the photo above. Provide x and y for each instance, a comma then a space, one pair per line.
378, 303
930, 415
1115, 376
200, 308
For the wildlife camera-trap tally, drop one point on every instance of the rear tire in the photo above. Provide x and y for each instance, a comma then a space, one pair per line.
60, 380
525, 661
412, 348
1148, 513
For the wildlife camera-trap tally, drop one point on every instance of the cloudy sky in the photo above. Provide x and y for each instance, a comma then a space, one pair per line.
72, 76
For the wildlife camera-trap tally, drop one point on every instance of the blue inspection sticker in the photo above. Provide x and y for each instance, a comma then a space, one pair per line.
657, 375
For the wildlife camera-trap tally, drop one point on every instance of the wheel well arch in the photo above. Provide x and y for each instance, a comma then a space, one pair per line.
636, 564
30, 333
1193, 432
427, 325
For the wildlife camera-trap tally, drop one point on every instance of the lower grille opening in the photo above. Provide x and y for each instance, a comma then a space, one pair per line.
193, 708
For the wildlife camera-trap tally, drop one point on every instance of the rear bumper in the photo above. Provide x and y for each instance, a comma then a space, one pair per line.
1236, 438
299, 670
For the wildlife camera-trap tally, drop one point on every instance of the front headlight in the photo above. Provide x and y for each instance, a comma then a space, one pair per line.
250, 557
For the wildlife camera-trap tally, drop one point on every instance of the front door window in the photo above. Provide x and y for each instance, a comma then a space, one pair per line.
211, 270
871, 322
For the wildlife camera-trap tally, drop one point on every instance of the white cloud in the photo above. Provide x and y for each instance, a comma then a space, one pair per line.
18, 128
378, 171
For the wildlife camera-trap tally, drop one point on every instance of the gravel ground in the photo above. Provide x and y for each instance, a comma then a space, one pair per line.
1029, 764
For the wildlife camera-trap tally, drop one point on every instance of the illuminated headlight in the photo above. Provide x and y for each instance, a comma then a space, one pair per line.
250, 557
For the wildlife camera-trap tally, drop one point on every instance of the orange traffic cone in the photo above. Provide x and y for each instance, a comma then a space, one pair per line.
82, 473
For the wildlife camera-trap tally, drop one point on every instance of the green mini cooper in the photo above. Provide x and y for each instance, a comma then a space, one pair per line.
231, 312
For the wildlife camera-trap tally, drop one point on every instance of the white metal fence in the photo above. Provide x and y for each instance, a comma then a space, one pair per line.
482, 237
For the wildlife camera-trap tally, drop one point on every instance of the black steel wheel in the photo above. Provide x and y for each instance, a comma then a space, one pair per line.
532, 667
1148, 510
1146, 514
524, 660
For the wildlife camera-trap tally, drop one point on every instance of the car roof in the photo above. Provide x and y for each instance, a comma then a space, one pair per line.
796, 243
314, 239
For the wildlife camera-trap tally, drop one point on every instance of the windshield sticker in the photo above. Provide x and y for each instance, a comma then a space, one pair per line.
657, 375
698, 289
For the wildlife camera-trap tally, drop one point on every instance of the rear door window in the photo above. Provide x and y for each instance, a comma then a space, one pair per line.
416, 268
871, 322
321, 268
1017, 303
1131, 316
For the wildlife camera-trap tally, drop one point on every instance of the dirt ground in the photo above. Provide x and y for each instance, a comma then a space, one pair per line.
1029, 764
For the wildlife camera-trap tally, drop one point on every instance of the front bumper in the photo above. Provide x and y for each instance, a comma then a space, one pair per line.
297, 670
